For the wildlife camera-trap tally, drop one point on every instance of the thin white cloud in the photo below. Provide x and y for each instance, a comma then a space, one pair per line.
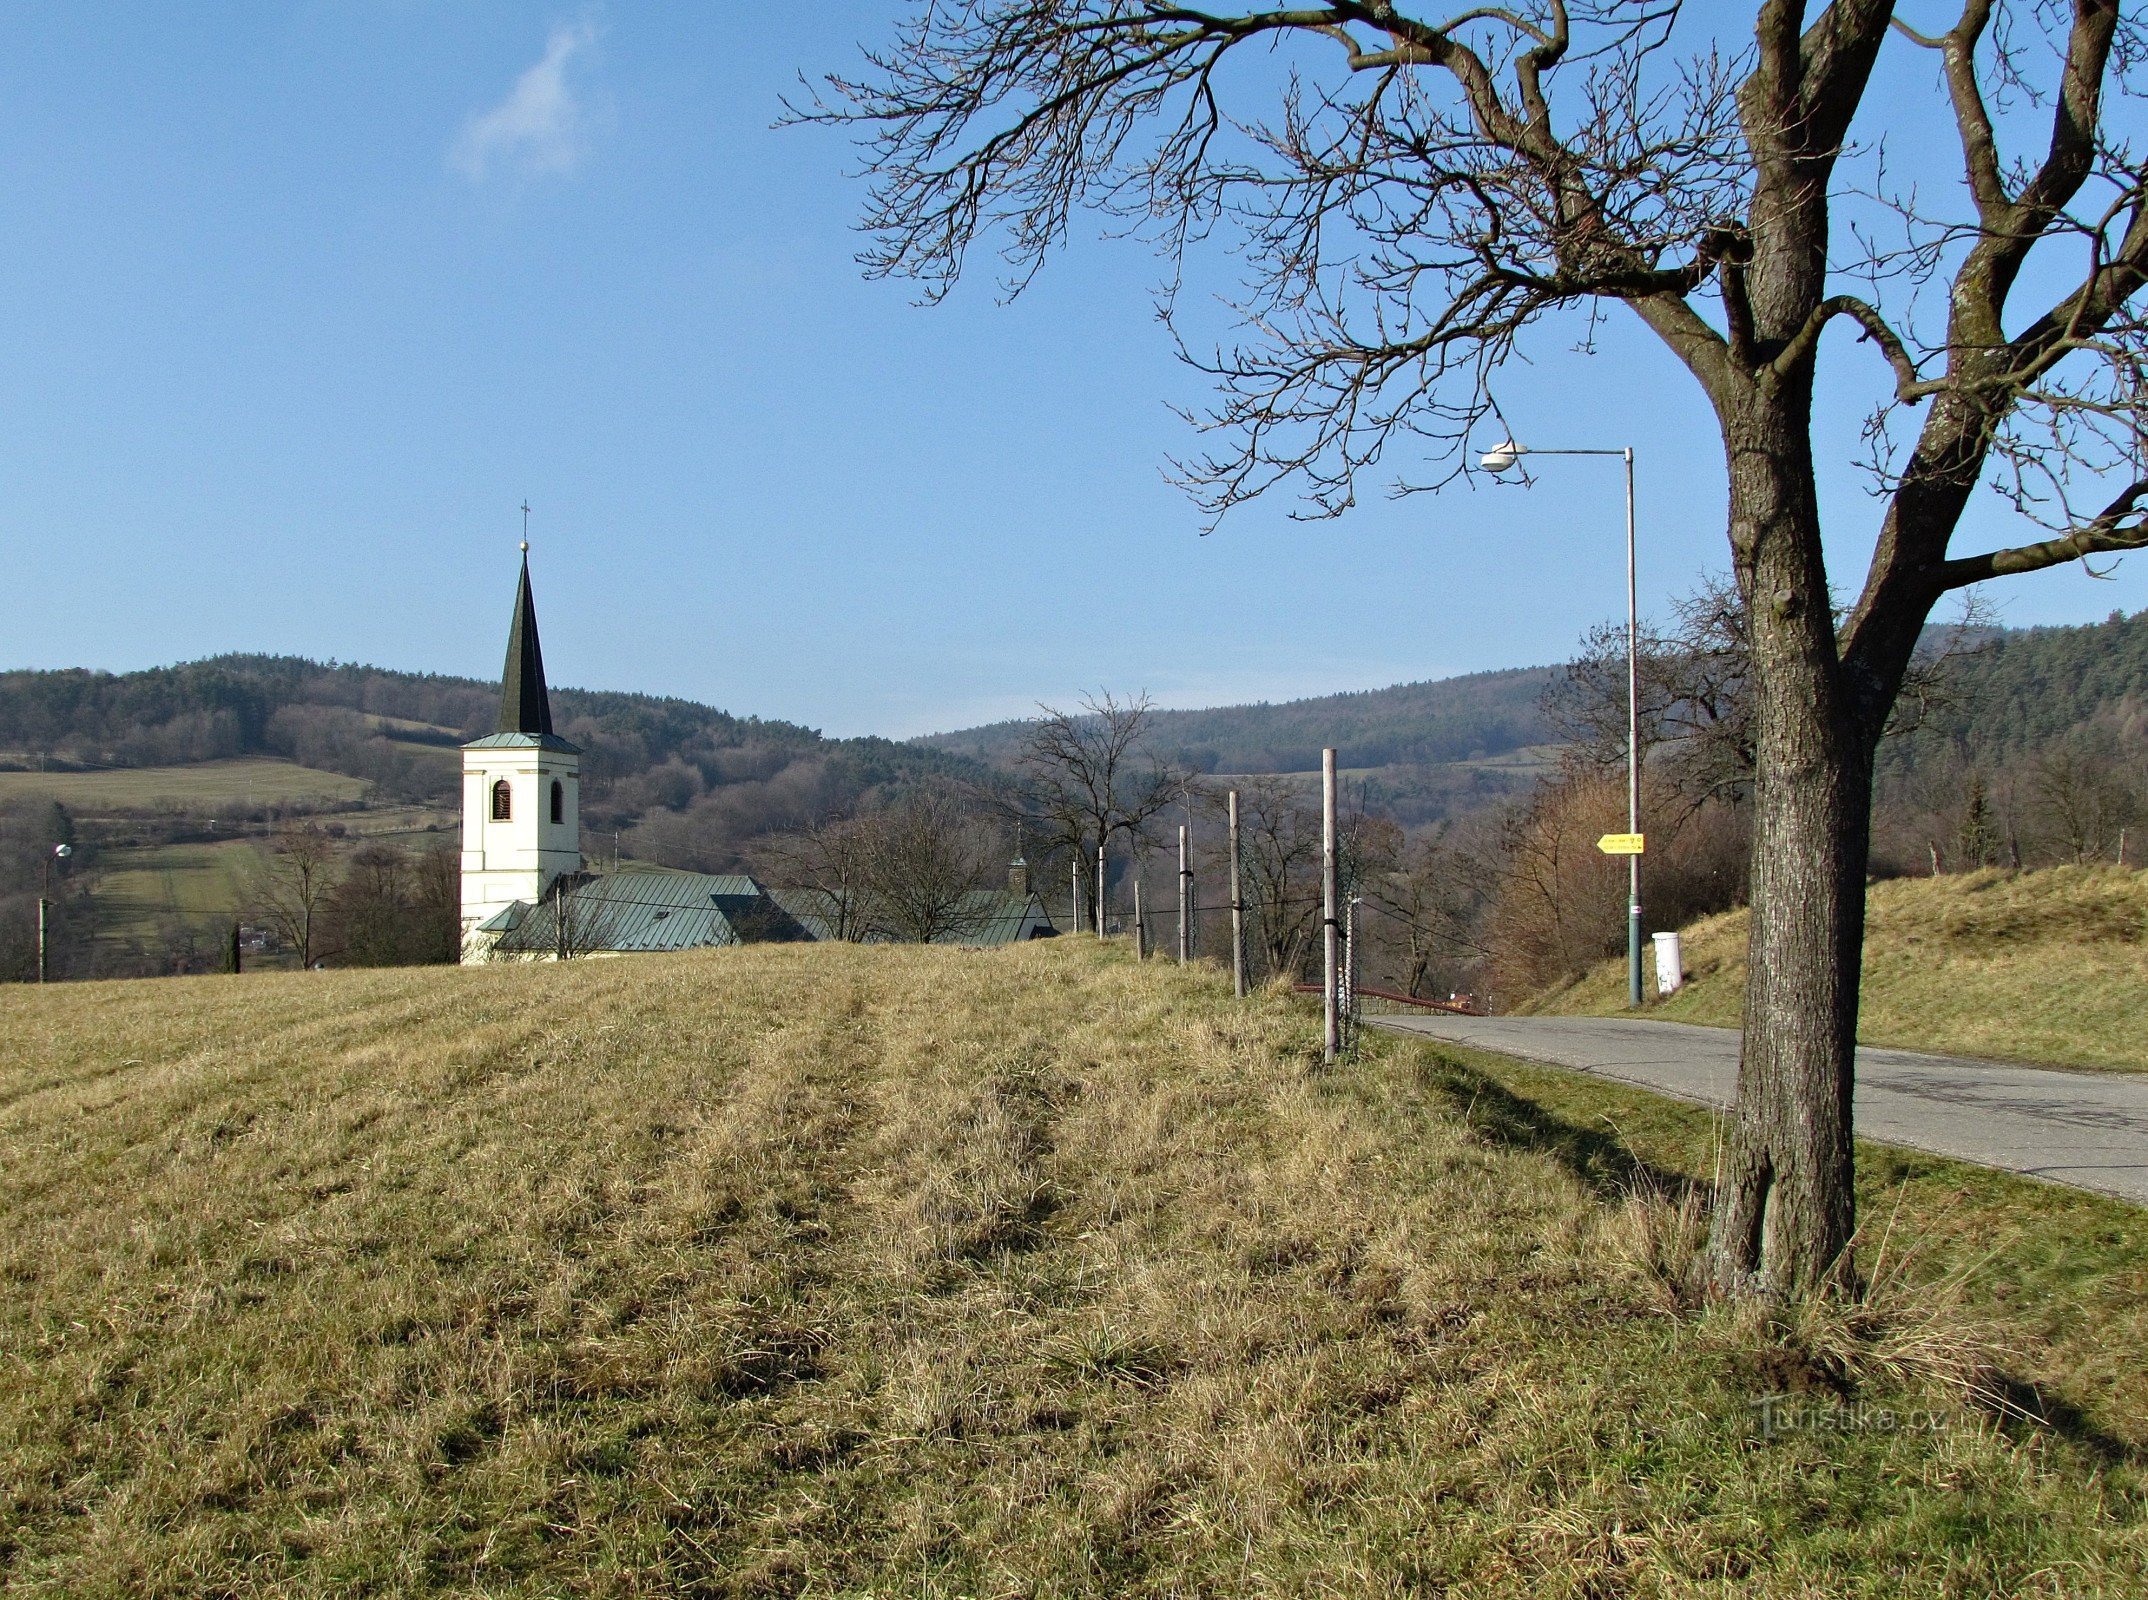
540, 129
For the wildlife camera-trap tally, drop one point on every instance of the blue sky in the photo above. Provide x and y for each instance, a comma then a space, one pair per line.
299, 302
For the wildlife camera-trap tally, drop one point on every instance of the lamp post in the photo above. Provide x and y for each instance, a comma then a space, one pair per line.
1502, 460
59, 852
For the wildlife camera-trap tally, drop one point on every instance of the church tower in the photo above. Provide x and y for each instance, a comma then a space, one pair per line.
521, 821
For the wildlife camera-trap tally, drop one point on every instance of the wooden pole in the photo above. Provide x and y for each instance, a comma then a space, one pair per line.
1238, 910
1185, 901
41, 904
237, 964
1141, 927
1103, 907
1331, 1037
1075, 926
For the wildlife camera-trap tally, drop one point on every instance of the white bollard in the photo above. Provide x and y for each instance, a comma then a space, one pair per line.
1670, 964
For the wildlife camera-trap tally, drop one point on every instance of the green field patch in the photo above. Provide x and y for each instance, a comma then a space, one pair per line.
200, 786
139, 888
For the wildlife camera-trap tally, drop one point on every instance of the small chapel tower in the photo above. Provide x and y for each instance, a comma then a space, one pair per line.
521, 822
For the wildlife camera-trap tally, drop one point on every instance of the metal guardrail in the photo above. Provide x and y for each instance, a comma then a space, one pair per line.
1389, 1002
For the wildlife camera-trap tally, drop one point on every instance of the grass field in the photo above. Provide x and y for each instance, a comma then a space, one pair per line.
201, 786
138, 886
837, 1271
2042, 966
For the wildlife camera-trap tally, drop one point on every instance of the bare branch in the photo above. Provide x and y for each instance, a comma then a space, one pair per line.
2121, 526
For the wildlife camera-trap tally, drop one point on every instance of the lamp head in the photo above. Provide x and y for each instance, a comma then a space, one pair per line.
1501, 458
63, 851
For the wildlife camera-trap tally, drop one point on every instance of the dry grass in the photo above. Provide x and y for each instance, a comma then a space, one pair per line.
835, 1271
2018, 966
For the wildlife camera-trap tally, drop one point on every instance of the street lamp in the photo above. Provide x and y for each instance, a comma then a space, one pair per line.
1502, 459
59, 852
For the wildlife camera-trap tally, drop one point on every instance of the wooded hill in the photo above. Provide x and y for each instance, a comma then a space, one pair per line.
2024, 688
1442, 720
700, 777
2010, 695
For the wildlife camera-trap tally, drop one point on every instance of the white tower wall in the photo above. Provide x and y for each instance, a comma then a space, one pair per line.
518, 858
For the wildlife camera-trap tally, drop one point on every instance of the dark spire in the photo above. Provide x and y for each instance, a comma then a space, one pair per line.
524, 707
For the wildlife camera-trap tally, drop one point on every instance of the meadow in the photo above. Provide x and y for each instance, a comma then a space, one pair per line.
826, 1270
199, 786
2046, 967
139, 887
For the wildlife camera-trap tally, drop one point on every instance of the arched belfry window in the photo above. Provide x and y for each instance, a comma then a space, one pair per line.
559, 801
503, 802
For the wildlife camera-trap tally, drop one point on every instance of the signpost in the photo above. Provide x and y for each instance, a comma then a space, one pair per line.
1622, 844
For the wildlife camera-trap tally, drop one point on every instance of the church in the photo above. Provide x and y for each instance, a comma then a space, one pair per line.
528, 894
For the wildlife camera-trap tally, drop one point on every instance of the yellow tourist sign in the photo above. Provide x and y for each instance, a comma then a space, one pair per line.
1621, 844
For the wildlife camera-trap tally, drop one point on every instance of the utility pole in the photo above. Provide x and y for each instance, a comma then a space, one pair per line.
1103, 909
1193, 911
1141, 927
1185, 901
1238, 910
1331, 1036
59, 852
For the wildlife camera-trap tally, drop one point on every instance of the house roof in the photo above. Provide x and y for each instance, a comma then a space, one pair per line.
644, 908
651, 908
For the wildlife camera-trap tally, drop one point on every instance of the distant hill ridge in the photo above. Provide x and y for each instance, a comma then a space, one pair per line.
642, 754
2017, 690
1478, 715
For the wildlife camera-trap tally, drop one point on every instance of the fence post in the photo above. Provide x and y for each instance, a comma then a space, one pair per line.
1075, 925
1185, 901
1349, 975
1103, 907
1238, 910
1331, 1035
1141, 927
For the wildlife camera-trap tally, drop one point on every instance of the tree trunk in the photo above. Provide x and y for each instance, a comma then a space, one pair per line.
1785, 1208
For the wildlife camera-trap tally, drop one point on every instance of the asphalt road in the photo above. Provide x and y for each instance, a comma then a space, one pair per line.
2089, 1130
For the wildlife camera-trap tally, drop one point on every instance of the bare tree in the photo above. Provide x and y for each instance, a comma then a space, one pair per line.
834, 856
925, 860
1415, 198
1697, 731
1088, 783
1430, 901
1279, 836
2081, 799
291, 889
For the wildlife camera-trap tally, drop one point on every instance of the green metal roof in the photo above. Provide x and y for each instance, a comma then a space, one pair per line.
523, 741
641, 908
652, 908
